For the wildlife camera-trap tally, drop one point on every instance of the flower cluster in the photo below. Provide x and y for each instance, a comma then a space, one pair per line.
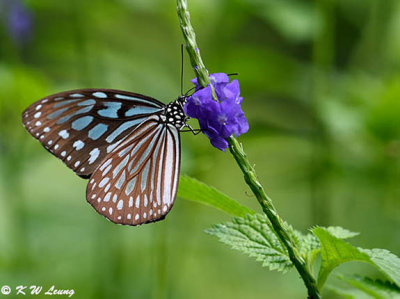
218, 120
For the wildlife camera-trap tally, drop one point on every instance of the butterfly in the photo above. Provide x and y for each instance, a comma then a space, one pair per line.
126, 144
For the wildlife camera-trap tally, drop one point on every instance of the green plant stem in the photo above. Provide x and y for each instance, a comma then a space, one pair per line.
250, 177
237, 151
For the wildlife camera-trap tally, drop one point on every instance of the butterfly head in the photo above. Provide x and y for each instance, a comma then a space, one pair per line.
181, 100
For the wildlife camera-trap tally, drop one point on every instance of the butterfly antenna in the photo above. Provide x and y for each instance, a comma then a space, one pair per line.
187, 93
181, 69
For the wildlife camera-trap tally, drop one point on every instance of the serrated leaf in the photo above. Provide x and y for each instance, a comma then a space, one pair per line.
375, 288
194, 190
309, 248
309, 243
340, 232
386, 262
253, 235
335, 251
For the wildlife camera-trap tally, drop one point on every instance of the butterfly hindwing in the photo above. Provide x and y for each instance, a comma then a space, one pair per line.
81, 127
137, 182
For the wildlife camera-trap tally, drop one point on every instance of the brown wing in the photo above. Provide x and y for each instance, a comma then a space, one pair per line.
81, 127
137, 182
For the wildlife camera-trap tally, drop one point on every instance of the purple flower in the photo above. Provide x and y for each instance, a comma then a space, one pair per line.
218, 120
19, 21
215, 79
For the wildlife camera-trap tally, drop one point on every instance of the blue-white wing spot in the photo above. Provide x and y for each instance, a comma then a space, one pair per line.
97, 131
87, 102
79, 144
76, 95
123, 127
57, 113
69, 116
94, 154
120, 166
82, 122
63, 134
141, 110
124, 97
111, 111
129, 188
99, 94
145, 175
63, 103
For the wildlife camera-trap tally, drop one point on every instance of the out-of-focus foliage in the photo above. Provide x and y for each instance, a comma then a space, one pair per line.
320, 81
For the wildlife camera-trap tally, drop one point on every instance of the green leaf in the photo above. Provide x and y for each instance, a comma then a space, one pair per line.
375, 288
194, 190
340, 232
335, 251
253, 235
386, 262
310, 245
309, 248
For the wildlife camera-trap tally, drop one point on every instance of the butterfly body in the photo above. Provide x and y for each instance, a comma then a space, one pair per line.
174, 113
126, 143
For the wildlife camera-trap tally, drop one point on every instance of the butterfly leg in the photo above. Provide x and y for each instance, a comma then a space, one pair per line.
194, 131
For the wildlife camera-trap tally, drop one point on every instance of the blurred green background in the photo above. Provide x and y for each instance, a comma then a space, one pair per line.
321, 87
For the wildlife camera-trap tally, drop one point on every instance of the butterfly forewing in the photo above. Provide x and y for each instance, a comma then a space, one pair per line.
137, 182
82, 126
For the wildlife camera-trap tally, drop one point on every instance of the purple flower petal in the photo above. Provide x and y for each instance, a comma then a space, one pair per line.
19, 21
232, 91
198, 102
215, 79
218, 78
219, 142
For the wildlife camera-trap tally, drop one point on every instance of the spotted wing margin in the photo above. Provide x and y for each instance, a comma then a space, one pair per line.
137, 182
81, 127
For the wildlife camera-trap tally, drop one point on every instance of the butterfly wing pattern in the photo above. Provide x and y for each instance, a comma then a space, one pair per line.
139, 180
126, 143
81, 127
